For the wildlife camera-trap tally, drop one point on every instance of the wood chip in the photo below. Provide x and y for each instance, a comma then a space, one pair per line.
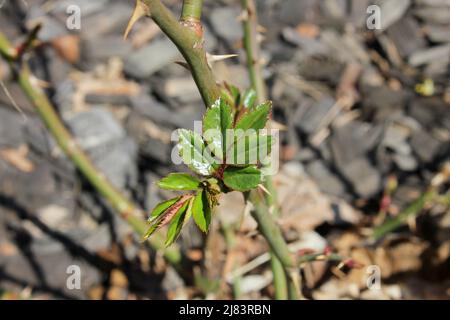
308, 30
18, 158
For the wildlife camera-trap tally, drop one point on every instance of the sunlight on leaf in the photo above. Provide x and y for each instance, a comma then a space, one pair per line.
201, 211
242, 179
255, 118
249, 99
217, 120
193, 153
179, 181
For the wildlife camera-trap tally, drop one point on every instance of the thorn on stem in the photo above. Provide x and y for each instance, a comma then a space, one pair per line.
263, 188
140, 10
243, 16
211, 58
29, 42
183, 64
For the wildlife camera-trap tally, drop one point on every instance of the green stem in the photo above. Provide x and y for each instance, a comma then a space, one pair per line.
319, 257
250, 26
432, 194
279, 277
274, 237
270, 230
192, 10
190, 44
128, 211
230, 240
6, 49
402, 217
279, 274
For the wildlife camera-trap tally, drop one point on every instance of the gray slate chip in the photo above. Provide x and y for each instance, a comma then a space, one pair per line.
364, 178
150, 59
425, 146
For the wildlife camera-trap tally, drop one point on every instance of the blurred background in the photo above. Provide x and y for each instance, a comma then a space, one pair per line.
365, 111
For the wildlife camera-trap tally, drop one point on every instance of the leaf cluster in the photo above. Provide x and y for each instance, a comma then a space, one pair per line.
235, 131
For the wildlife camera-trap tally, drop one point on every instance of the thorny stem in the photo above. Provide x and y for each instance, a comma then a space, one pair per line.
127, 210
190, 45
251, 45
250, 25
279, 274
272, 233
192, 10
268, 227
6, 50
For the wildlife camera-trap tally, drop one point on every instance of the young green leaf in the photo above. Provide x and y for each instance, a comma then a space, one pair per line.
226, 96
218, 116
217, 120
251, 148
164, 217
249, 98
255, 118
235, 94
161, 207
179, 181
189, 209
242, 179
176, 225
194, 153
201, 211
209, 201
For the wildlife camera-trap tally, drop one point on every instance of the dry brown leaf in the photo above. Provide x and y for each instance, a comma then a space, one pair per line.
358, 277
392, 257
113, 254
96, 293
308, 30
404, 256
116, 293
194, 254
303, 205
443, 253
313, 272
118, 279
144, 259
346, 241
7, 249
105, 80
447, 96
18, 158
68, 47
